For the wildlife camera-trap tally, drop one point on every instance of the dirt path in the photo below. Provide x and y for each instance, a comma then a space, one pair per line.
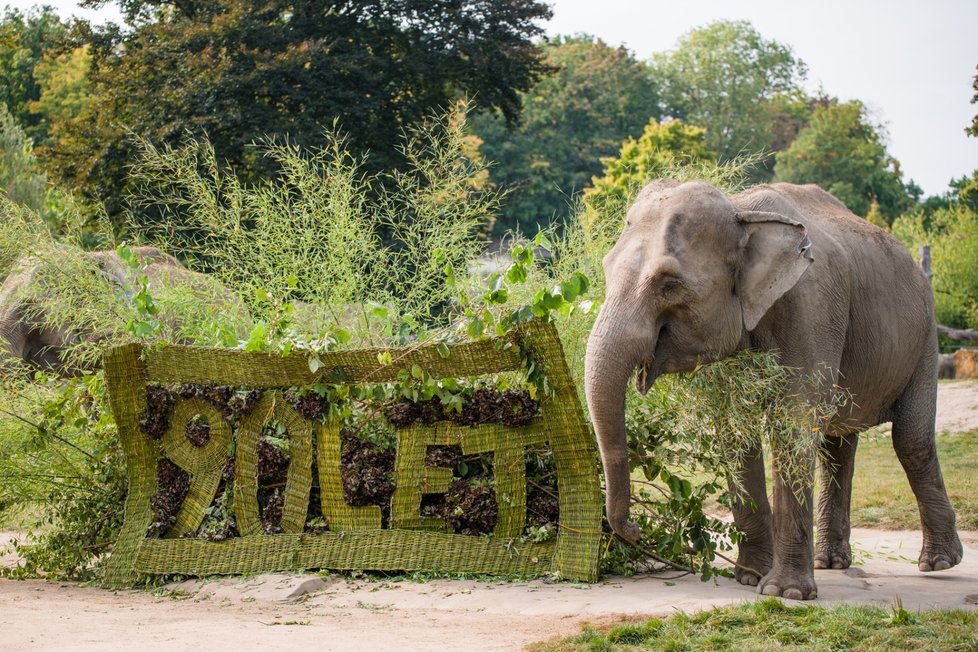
957, 406
309, 612
306, 611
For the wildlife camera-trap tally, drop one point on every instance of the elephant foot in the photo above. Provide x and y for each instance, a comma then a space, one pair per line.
752, 565
795, 585
940, 554
833, 554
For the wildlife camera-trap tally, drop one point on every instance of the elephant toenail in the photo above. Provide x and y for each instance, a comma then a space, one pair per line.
941, 565
792, 594
771, 589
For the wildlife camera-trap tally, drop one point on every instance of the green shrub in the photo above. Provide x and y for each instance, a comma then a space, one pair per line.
952, 234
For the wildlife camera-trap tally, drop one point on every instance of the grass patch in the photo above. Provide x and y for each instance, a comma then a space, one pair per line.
881, 495
771, 625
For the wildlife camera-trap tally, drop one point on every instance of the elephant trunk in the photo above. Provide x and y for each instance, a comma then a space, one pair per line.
607, 367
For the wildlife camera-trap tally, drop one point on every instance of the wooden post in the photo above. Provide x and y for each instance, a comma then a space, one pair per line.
925, 262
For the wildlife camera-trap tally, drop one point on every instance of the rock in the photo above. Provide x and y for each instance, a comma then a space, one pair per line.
853, 571
307, 585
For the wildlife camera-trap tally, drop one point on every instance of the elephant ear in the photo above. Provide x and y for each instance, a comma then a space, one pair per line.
776, 254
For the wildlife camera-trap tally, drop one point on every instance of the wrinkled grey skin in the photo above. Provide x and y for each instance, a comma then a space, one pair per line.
28, 337
697, 275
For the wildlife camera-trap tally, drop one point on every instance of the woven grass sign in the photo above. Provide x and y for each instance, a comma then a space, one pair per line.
245, 462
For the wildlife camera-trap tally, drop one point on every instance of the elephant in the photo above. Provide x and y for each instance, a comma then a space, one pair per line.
26, 335
697, 275
945, 366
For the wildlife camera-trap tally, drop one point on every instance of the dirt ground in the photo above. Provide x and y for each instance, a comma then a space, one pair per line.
333, 613
957, 406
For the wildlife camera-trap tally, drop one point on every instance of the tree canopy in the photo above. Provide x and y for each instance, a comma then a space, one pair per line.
736, 84
25, 39
241, 72
661, 149
973, 129
842, 151
596, 97
20, 181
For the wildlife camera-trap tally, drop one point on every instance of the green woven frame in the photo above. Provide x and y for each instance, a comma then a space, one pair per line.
355, 540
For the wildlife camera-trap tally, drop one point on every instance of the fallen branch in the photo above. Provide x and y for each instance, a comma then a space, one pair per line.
958, 334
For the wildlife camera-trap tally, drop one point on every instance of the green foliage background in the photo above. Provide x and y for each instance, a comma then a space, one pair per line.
596, 97
730, 80
841, 151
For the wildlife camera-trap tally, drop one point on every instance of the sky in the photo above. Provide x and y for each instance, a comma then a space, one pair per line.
911, 63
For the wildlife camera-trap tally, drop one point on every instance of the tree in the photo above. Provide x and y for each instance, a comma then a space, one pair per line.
20, 181
24, 41
240, 72
952, 233
729, 79
973, 129
597, 96
24, 186
65, 93
965, 190
962, 191
842, 151
662, 149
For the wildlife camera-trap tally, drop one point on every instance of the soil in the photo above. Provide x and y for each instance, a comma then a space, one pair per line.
957, 406
338, 613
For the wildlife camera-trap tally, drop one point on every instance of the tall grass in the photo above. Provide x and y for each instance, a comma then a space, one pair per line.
321, 233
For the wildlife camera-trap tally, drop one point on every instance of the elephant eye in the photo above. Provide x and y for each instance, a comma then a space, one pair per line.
671, 284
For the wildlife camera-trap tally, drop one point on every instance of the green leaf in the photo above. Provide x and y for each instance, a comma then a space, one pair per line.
574, 287
379, 311
314, 363
443, 350
256, 339
516, 273
497, 297
476, 327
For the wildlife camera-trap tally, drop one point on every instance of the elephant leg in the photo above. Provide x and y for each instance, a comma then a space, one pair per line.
752, 514
792, 574
836, 462
913, 440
